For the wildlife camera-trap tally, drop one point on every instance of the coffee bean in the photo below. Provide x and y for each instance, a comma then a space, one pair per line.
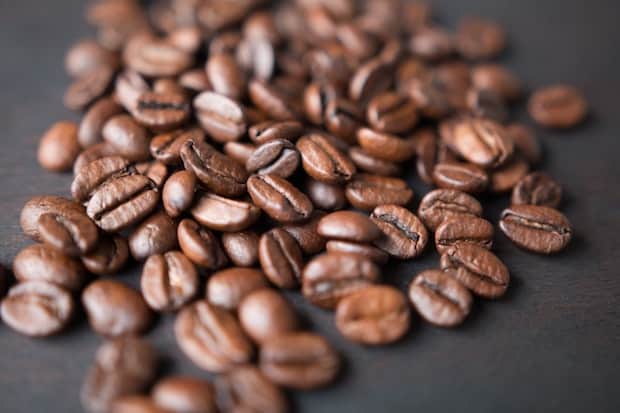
323, 161
427, 151
404, 235
224, 214
37, 308
245, 388
87, 55
188, 39
525, 142
306, 234
439, 298
155, 58
178, 193
370, 79
558, 106
477, 38
241, 247
477, 269
391, 113
536, 228
371, 164
238, 151
129, 87
110, 256
222, 117
504, 178
195, 81
329, 67
480, 141
460, 176
128, 138
278, 157
225, 75
91, 126
211, 337
279, 198
39, 262
432, 43
88, 87
365, 250
366, 191
136, 404
348, 226
184, 394
156, 235
267, 131
156, 171
265, 313
485, 103
114, 309
443, 204
374, 315
167, 147
168, 281
227, 288
299, 361
343, 118
464, 229
537, 188
280, 258
430, 95
162, 111
498, 78
385, 146
325, 196
272, 101
96, 173
200, 245
317, 96
97, 151
70, 232
59, 147
358, 43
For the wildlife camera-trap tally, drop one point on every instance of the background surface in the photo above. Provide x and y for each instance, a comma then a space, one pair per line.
551, 344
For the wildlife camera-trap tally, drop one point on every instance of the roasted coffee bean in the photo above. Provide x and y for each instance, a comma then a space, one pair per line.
245, 388
365, 250
184, 394
343, 118
70, 232
391, 113
525, 142
272, 101
280, 258
224, 214
317, 96
558, 106
195, 81
348, 226
156, 235
115, 309
323, 161
279, 198
367, 191
241, 247
374, 315
156, 171
266, 131
327, 66
91, 126
200, 245
109, 257
178, 193
227, 288
97, 151
256, 56
443, 204
155, 58
477, 38
162, 110
39, 262
370, 79
460, 176
278, 157
464, 229
88, 87
432, 43
330, 277
306, 234
129, 87
385, 146
537, 188
427, 152
87, 55
299, 361
536, 228
371, 164
485, 103
222, 117
477, 269
498, 78
37, 308
96, 173
59, 147
167, 147
167, 86
504, 178
325, 196
240, 152
430, 95
404, 235
358, 43
211, 337
123, 366
439, 298
265, 313
217, 171
225, 75
168, 281
128, 138
480, 141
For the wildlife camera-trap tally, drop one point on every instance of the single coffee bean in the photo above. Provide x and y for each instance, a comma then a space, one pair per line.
110, 256
325, 196
156, 235
525, 142
348, 226
265, 313
498, 78
391, 113
370, 79
279, 198
257, 56
97, 151
504, 178
343, 118
178, 193
184, 394
59, 147
558, 106
329, 277
91, 126
37, 308
128, 138
87, 55
39, 262
155, 170
404, 235
115, 309
227, 288
385, 146
366, 191
129, 87
240, 152
430, 95
323, 161
536, 228
427, 151
168, 281
195, 81
272, 101
371, 164
306, 234
136, 404
222, 117
278, 157
432, 43
317, 96
439, 298
155, 58
167, 147
464, 229
365, 250
71, 233
211, 337
443, 204
299, 361
480, 141
217, 171
537, 188
477, 269
477, 38
87, 88
123, 366
280, 258
460, 176
374, 315
246, 388
224, 214
96, 173
162, 110
200, 245
267, 131
241, 247
485, 103
225, 75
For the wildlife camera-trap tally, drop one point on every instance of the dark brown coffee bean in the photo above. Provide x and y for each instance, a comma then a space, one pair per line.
59, 147
317, 96
498, 78
460, 176
91, 126
272, 101
128, 138
325, 196
96, 173
211, 337
129, 87
348, 226
526, 142
241, 247
87, 55
240, 152
536, 228
343, 118
432, 43
245, 388
439, 298
39, 262
280, 258
115, 309
155, 58
156, 235
558, 106
323, 161
226, 288
88, 87
225, 75
477, 269
504, 178
480, 141
374, 315
222, 117
299, 361
385, 146
442, 204
37, 308
278, 157
306, 234
162, 110
370, 79
279, 198
200, 245
110, 256
265, 313
178, 193
266, 131
71, 233
167, 147
184, 394
537, 188
367, 191
168, 281
404, 235
391, 113
218, 172
464, 229
224, 214
477, 38
371, 164
485, 103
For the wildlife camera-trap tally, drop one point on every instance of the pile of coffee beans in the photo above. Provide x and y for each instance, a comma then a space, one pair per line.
255, 146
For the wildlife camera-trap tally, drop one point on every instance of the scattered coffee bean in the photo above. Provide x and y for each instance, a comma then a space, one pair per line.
178, 193
460, 176
156, 235
87, 55
168, 281
391, 113
184, 394
224, 214
241, 247
167, 147
404, 235
464, 229
246, 388
279, 198
480, 141
325, 196
128, 138
39, 262
366, 191
306, 234
537, 188
323, 161
267, 131
200, 245
265, 313
348, 226
227, 288
222, 117
280, 258
162, 111
442, 204
278, 157
91, 126
477, 38
385, 146
225, 75
59, 147
371, 164
525, 142
558, 106
365, 250
71, 233
499, 79
110, 256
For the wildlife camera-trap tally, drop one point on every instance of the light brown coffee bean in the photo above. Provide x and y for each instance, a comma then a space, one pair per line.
39, 262
558, 106
110, 256
391, 113
227, 288
278, 157
185, 394
348, 226
306, 234
178, 193
200, 245
464, 229
167, 147
280, 258
366, 162
224, 214
168, 281
480, 141
225, 75
241, 247
156, 235
59, 147
265, 313
222, 117
162, 110
71, 233
537, 188
385, 146
269, 130
128, 138
460, 176
366, 191
365, 250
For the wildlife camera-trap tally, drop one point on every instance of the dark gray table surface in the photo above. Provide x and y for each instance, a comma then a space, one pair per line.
552, 344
